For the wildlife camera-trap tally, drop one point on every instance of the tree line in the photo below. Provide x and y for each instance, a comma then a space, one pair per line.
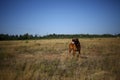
28, 36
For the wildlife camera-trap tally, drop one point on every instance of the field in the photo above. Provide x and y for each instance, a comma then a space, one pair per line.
50, 60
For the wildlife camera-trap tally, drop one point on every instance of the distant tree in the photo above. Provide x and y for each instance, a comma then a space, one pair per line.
118, 35
26, 36
50, 36
4, 37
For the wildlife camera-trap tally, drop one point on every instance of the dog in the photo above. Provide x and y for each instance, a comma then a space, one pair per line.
75, 46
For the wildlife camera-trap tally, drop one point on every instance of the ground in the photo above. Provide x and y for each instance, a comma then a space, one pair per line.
48, 59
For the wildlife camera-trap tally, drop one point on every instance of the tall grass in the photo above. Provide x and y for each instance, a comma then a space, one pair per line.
49, 60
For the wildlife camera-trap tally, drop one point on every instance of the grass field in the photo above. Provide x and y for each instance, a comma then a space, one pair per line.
50, 60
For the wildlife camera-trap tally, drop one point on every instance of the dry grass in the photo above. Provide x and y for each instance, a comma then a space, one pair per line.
49, 60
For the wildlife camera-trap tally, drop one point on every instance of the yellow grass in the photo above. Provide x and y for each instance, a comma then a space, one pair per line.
50, 60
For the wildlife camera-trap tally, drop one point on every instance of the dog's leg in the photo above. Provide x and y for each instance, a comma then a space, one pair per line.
74, 52
70, 51
78, 53
79, 50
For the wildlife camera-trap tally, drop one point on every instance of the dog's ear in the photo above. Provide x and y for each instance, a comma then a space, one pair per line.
73, 40
77, 39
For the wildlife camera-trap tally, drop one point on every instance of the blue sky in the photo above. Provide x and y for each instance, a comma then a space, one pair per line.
59, 16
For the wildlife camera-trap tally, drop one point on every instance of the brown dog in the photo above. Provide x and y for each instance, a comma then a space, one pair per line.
75, 46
